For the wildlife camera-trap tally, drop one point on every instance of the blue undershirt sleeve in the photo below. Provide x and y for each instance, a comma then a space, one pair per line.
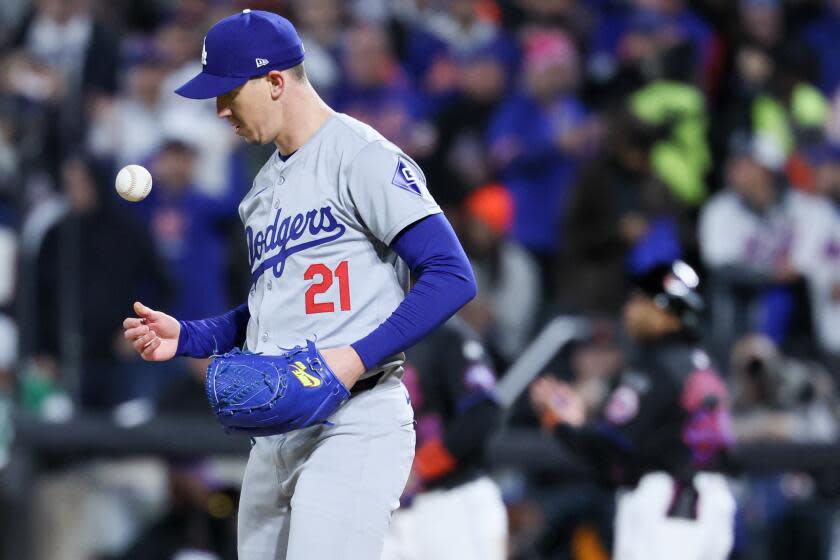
205, 337
445, 283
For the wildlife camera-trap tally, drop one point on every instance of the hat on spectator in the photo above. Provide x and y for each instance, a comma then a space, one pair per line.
765, 149
546, 48
240, 47
493, 205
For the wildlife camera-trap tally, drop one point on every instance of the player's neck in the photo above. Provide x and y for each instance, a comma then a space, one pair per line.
304, 117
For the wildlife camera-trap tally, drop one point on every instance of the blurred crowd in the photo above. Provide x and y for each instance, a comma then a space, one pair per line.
570, 142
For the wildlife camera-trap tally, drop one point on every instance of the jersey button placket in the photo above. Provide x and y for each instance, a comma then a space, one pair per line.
265, 336
280, 180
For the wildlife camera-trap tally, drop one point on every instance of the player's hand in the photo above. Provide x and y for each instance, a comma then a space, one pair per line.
557, 403
153, 334
345, 364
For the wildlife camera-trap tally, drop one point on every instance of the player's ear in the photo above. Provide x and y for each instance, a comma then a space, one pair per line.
276, 83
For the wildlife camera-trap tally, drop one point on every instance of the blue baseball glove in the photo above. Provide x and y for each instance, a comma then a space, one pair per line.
263, 395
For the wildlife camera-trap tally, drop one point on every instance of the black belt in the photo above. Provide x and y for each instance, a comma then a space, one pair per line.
366, 384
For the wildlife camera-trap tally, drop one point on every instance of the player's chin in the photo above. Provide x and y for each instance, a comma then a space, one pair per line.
252, 137
249, 139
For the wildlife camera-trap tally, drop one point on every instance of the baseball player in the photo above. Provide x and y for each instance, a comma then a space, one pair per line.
661, 430
452, 509
334, 222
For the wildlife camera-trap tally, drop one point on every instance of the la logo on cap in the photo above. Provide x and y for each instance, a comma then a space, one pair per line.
204, 52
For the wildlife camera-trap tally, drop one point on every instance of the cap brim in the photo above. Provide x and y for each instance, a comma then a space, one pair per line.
206, 86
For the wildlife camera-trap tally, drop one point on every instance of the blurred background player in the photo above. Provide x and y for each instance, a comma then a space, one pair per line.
665, 423
450, 508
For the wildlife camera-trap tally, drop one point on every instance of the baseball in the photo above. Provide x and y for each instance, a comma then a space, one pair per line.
134, 182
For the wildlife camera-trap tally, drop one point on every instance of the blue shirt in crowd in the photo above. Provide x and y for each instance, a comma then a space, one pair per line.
188, 230
524, 140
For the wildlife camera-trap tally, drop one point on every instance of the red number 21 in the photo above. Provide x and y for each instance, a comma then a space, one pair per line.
324, 284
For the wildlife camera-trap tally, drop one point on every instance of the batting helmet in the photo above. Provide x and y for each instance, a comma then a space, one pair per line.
674, 287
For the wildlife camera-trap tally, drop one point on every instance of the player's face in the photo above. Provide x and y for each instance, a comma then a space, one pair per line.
644, 320
247, 109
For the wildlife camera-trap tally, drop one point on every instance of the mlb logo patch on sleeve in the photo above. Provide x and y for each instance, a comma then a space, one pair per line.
407, 177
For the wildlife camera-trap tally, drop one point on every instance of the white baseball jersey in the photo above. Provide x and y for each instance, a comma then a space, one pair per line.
318, 228
821, 266
731, 233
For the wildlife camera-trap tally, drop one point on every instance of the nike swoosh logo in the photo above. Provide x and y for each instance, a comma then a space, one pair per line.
259, 191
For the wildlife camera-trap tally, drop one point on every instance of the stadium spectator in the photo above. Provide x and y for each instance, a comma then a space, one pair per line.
188, 229
67, 60
130, 127
508, 275
536, 139
92, 266
462, 28
820, 263
376, 91
437, 41
217, 165
761, 22
616, 207
791, 110
751, 237
821, 37
776, 397
319, 25
459, 160
633, 42
687, 22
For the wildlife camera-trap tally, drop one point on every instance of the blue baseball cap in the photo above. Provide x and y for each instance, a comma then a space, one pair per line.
240, 47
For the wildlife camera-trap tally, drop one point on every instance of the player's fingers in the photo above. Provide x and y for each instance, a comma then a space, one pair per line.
143, 311
149, 350
136, 332
142, 341
132, 322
